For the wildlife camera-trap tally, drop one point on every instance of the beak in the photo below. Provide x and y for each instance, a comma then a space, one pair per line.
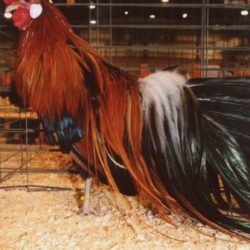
11, 8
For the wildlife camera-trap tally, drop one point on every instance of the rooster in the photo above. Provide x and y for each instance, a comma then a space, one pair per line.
150, 135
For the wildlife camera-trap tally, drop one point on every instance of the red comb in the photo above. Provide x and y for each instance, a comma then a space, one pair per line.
10, 1
18, 1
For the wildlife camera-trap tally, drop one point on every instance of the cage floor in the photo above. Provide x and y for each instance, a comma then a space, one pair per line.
46, 219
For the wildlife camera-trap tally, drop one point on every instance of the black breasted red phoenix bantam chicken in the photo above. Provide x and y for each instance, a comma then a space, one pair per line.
149, 135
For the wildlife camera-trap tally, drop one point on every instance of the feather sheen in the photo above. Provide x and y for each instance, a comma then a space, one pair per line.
172, 152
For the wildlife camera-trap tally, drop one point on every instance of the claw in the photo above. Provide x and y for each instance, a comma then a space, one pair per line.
88, 209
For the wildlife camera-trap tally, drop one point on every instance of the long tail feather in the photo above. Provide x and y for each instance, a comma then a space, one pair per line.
188, 150
227, 101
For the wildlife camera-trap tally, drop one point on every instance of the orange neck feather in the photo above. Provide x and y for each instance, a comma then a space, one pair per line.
59, 73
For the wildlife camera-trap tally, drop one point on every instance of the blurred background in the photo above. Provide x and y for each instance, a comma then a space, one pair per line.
202, 37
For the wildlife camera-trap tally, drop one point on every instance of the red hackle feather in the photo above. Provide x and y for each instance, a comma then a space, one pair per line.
58, 73
53, 77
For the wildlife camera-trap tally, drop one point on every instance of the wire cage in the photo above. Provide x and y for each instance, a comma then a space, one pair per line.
23, 148
204, 38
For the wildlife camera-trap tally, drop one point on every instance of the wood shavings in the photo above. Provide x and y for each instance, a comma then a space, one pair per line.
53, 220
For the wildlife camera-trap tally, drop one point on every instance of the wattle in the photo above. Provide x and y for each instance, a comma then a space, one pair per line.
21, 18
